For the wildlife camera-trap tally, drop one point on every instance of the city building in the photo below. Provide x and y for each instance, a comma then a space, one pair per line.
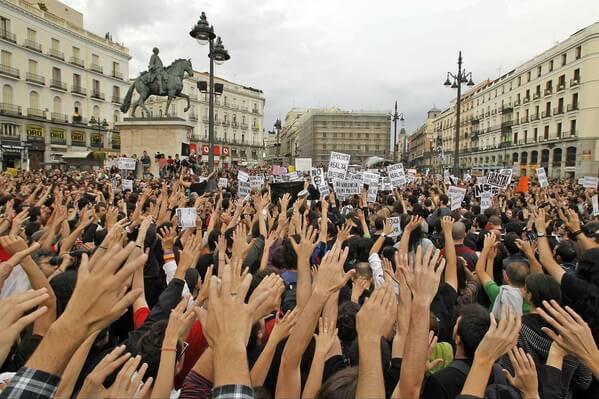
421, 142
59, 83
314, 133
444, 132
543, 113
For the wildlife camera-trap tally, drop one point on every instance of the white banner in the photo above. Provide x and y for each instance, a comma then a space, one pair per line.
126, 163
595, 201
372, 193
372, 179
244, 189
345, 188
223, 182
256, 182
397, 175
127, 185
242, 176
338, 163
589, 182
385, 184
500, 179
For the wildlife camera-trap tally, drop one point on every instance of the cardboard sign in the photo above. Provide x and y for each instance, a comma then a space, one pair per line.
345, 188
385, 184
456, 196
446, 177
243, 176
324, 190
338, 164
397, 175
256, 182
522, 185
243, 189
543, 182
303, 164
372, 179
11, 172
590, 182
411, 176
126, 163
290, 168
395, 221
127, 185
485, 200
223, 182
187, 217
317, 176
500, 179
595, 200
373, 192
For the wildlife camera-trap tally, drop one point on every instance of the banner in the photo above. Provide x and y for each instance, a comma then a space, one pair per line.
303, 164
186, 217
589, 182
385, 184
243, 189
543, 182
317, 176
345, 188
338, 163
126, 163
595, 201
482, 188
397, 175
256, 182
456, 196
372, 179
242, 176
127, 185
500, 179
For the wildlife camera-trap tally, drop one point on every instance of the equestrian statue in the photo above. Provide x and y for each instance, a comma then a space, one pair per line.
159, 81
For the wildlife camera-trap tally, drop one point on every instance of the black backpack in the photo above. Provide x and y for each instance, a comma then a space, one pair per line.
499, 389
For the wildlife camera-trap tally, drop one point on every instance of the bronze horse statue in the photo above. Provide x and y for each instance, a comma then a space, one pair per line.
174, 84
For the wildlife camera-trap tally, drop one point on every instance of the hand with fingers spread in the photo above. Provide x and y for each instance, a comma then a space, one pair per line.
275, 287
188, 258
330, 276
501, 336
205, 287
305, 246
525, 247
570, 219
525, 378
241, 246
284, 326
18, 251
571, 333
359, 285
414, 224
129, 381
167, 235
427, 274
93, 384
446, 224
18, 222
540, 222
344, 232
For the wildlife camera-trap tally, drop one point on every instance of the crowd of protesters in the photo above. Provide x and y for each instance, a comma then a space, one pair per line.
292, 295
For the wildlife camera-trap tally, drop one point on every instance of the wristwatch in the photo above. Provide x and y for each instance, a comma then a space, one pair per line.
540, 234
383, 235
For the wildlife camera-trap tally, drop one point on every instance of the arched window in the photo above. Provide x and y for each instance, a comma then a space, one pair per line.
524, 158
557, 157
7, 94
77, 108
545, 158
571, 156
515, 157
534, 157
57, 105
96, 112
116, 116
34, 100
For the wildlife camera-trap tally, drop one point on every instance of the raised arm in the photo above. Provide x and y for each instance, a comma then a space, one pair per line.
404, 243
528, 251
487, 251
327, 335
451, 272
545, 254
303, 250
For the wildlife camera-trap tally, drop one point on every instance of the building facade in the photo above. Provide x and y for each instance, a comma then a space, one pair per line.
238, 119
314, 133
543, 113
421, 143
59, 84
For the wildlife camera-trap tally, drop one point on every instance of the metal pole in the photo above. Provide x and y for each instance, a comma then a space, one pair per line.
211, 110
394, 130
456, 155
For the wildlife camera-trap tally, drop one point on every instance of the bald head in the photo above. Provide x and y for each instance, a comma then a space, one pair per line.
458, 231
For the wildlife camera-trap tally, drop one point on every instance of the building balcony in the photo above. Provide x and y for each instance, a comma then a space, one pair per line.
534, 117
517, 103
58, 84
56, 54
97, 68
234, 125
82, 91
574, 82
255, 111
97, 95
536, 96
507, 124
524, 119
572, 107
117, 75
545, 114
475, 121
36, 113
79, 120
487, 114
507, 108
116, 99
32, 45
548, 91
77, 61
9, 71
35, 78
226, 123
244, 126
9, 109
193, 117
558, 111
56, 117
7, 35
243, 108
525, 100
561, 87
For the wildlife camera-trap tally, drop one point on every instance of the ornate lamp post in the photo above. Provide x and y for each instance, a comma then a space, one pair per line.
396, 117
98, 124
458, 79
204, 34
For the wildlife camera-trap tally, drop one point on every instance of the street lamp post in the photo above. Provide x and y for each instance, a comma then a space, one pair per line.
98, 124
395, 117
204, 34
458, 79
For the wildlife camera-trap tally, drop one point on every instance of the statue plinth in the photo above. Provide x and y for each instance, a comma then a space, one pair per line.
164, 135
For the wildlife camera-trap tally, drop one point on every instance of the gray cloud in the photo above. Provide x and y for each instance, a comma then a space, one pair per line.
348, 53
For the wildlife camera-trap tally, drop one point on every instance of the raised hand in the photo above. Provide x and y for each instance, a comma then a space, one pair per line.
191, 253
129, 381
525, 378
305, 246
284, 325
343, 233
375, 314
167, 235
501, 336
18, 221
447, 224
327, 334
330, 276
415, 223
427, 274
359, 285
93, 384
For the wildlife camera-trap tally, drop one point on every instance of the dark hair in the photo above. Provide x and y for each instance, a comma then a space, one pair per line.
149, 347
588, 266
213, 239
378, 223
517, 272
473, 325
341, 385
444, 199
510, 243
346, 322
542, 288
481, 221
566, 251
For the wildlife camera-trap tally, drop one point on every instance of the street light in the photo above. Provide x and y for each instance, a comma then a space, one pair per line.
396, 117
204, 34
461, 77
98, 124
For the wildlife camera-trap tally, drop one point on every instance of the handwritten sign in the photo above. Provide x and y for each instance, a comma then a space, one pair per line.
338, 164
589, 182
595, 201
345, 188
542, 176
223, 182
127, 185
126, 163
397, 175
456, 196
395, 222
373, 192
243, 176
372, 179
187, 217
243, 189
485, 200
317, 176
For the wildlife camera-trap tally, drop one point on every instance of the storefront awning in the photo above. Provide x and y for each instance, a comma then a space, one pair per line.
76, 155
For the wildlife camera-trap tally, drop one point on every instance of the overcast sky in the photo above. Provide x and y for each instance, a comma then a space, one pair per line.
354, 54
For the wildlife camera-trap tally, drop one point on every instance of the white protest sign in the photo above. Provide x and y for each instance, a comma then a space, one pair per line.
126, 163
243, 176
303, 164
395, 221
256, 182
324, 190
338, 163
456, 196
485, 200
481, 180
244, 189
372, 179
372, 193
127, 185
595, 201
580, 181
446, 177
385, 184
357, 176
589, 182
345, 188
223, 182
500, 179
187, 217
397, 175
542, 176
516, 168
411, 176
317, 176
483, 188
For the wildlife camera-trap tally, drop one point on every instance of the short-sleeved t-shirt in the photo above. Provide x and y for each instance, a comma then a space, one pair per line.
492, 290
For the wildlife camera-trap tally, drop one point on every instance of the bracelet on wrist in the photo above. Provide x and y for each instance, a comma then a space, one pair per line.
577, 233
168, 349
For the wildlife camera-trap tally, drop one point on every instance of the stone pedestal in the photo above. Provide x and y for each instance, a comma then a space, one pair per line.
164, 135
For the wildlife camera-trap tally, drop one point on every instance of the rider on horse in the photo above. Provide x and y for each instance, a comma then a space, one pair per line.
156, 69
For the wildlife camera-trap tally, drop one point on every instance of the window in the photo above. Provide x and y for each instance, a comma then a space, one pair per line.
564, 58
34, 100
535, 134
560, 105
95, 59
525, 136
519, 81
55, 44
551, 66
578, 52
577, 75
76, 81
57, 105
8, 129
56, 74
539, 71
116, 67
31, 34
116, 92
33, 66
575, 101
546, 132
548, 108
76, 52
96, 85
561, 82
4, 25
6, 58
528, 76
559, 130
538, 90
7, 94
573, 127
